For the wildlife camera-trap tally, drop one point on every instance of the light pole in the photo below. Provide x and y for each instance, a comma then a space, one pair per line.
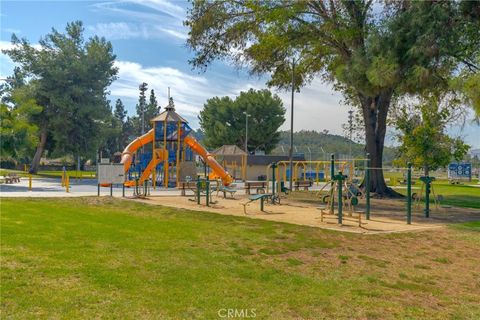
291, 125
246, 131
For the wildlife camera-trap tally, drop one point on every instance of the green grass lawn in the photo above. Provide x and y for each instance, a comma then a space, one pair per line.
52, 173
108, 258
461, 195
71, 173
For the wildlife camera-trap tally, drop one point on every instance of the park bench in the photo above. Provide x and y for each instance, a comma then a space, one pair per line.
274, 198
12, 178
187, 185
258, 185
225, 190
303, 184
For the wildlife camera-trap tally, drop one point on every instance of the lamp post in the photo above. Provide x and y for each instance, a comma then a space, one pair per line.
246, 131
290, 152
291, 126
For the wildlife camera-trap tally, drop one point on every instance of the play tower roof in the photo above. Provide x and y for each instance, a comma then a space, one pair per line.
169, 114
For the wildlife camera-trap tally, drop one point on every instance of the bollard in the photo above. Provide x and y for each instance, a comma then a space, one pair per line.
67, 184
367, 188
409, 194
30, 182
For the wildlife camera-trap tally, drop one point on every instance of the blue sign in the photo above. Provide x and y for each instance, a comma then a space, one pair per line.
459, 170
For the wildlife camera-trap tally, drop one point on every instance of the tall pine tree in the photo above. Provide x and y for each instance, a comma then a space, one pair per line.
141, 108
152, 109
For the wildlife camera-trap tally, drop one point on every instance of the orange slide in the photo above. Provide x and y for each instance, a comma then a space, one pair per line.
127, 157
209, 160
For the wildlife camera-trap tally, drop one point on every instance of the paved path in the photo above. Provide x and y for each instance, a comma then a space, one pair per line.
51, 187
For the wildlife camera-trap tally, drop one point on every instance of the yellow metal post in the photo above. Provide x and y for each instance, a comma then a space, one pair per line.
67, 184
30, 182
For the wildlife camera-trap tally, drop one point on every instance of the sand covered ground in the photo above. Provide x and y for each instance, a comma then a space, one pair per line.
386, 215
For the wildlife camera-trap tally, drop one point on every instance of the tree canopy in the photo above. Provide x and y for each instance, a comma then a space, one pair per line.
70, 76
223, 120
423, 137
372, 52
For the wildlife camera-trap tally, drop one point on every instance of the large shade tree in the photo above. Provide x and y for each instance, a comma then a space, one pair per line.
372, 52
422, 133
70, 76
224, 121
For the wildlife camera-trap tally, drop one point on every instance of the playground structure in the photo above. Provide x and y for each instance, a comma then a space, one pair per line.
171, 159
165, 155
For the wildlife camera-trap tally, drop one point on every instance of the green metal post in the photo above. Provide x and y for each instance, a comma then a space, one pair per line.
427, 197
198, 190
340, 198
332, 174
207, 191
274, 166
409, 194
367, 188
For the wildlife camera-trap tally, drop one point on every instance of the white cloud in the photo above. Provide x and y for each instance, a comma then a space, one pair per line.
317, 106
188, 91
149, 17
119, 30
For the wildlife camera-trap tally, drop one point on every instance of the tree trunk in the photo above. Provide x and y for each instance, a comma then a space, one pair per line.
39, 152
375, 110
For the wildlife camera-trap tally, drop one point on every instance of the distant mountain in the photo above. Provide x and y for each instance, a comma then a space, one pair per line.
319, 146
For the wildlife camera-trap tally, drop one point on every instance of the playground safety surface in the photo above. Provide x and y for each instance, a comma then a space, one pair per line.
387, 216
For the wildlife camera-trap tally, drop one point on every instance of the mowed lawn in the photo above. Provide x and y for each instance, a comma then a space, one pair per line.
460, 195
111, 258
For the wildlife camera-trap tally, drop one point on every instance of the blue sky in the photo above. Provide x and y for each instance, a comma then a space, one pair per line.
149, 40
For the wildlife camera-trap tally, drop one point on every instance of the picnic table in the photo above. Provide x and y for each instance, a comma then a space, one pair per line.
12, 178
187, 185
